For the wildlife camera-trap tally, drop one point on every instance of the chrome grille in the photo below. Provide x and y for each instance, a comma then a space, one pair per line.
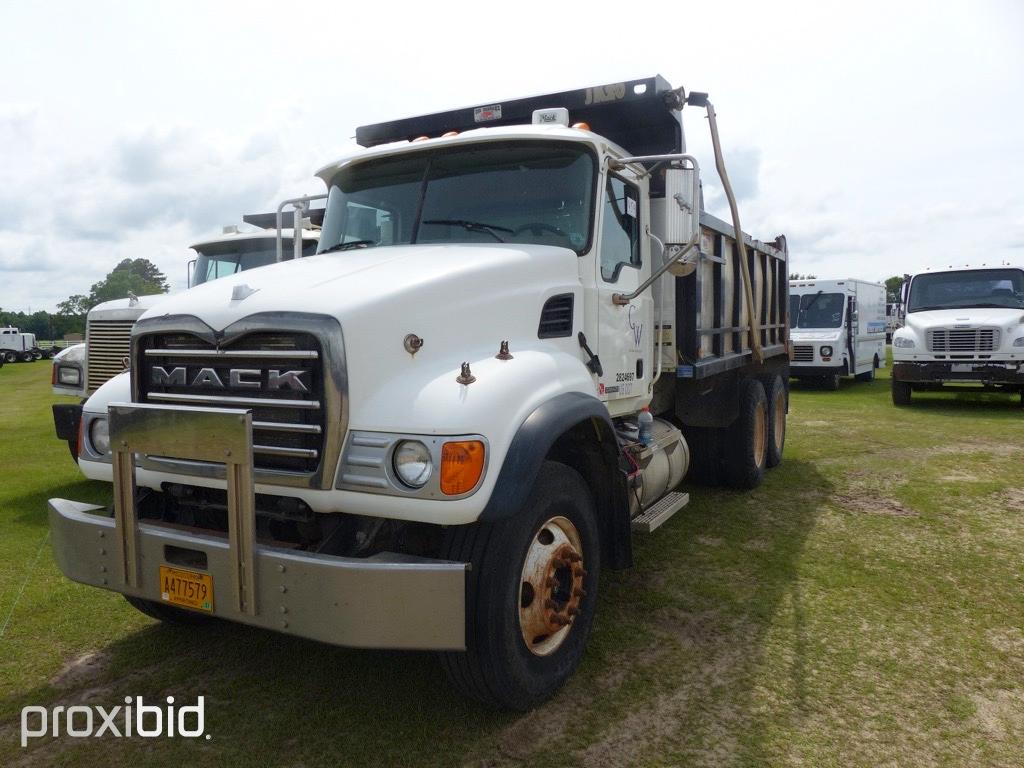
107, 345
803, 353
288, 421
963, 340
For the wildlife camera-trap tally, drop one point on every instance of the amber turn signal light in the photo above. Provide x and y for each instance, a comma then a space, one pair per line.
462, 463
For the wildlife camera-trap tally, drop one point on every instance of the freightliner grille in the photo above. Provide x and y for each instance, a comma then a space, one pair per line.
107, 344
963, 341
803, 353
287, 405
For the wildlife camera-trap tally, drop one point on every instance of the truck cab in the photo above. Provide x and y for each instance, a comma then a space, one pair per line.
838, 329
962, 327
519, 328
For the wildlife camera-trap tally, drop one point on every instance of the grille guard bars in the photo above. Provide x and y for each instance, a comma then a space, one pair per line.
204, 434
328, 333
389, 600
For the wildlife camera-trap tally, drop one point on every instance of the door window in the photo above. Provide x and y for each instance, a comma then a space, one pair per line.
620, 228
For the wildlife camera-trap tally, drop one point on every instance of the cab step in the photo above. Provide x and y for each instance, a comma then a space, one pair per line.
660, 511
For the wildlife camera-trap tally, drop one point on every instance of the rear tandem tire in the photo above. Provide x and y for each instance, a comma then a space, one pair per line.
746, 442
167, 613
778, 406
901, 393
498, 667
10, 356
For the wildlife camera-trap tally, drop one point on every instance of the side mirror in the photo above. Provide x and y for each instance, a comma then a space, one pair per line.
190, 271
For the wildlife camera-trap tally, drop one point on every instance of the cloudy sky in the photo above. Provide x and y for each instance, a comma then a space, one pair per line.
880, 137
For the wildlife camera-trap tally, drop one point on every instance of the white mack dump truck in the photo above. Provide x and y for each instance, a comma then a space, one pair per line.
426, 436
82, 369
963, 326
837, 329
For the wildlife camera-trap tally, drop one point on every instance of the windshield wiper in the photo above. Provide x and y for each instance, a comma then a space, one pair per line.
348, 245
473, 226
804, 310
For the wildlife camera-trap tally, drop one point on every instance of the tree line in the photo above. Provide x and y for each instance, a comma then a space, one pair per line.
137, 276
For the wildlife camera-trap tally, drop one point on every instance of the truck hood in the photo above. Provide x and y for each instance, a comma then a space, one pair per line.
349, 284
965, 317
461, 300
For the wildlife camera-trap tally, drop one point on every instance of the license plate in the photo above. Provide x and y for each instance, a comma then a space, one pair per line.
186, 588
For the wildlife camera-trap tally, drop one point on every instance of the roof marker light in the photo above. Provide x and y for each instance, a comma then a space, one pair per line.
582, 126
449, 133
421, 138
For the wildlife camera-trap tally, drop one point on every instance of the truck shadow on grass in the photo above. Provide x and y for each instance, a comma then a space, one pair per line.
34, 504
670, 672
966, 404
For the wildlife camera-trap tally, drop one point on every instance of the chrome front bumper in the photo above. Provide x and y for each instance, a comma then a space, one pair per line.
385, 601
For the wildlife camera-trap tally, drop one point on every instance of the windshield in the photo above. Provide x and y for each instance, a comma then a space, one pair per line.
816, 310
512, 192
970, 288
222, 259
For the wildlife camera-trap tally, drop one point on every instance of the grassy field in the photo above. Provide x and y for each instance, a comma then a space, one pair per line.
865, 606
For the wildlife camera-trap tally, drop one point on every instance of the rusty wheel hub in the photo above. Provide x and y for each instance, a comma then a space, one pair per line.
551, 589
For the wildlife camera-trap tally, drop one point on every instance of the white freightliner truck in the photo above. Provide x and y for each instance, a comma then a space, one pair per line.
962, 326
426, 436
81, 369
837, 328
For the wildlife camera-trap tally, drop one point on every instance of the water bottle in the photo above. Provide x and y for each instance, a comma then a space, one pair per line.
646, 421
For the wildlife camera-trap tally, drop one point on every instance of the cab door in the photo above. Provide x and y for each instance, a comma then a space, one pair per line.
625, 332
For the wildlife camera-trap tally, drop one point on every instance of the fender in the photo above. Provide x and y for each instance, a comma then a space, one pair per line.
533, 442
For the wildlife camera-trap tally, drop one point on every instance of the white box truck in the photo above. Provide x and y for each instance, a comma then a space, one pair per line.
962, 327
838, 329
428, 434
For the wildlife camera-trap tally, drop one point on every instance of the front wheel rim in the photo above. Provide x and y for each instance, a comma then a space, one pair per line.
551, 586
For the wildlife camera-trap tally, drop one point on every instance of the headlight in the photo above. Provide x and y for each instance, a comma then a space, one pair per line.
826, 351
68, 375
99, 436
412, 463
1019, 341
902, 342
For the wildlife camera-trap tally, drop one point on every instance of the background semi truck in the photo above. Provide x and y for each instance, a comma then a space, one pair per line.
962, 326
838, 329
16, 346
427, 435
82, 369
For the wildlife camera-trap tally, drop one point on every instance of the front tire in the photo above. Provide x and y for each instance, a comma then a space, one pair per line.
901, 393
531, 594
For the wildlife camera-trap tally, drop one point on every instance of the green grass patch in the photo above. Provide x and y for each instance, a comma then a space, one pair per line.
863, 607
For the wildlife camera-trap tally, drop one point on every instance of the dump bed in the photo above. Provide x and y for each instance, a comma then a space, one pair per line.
705, 328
